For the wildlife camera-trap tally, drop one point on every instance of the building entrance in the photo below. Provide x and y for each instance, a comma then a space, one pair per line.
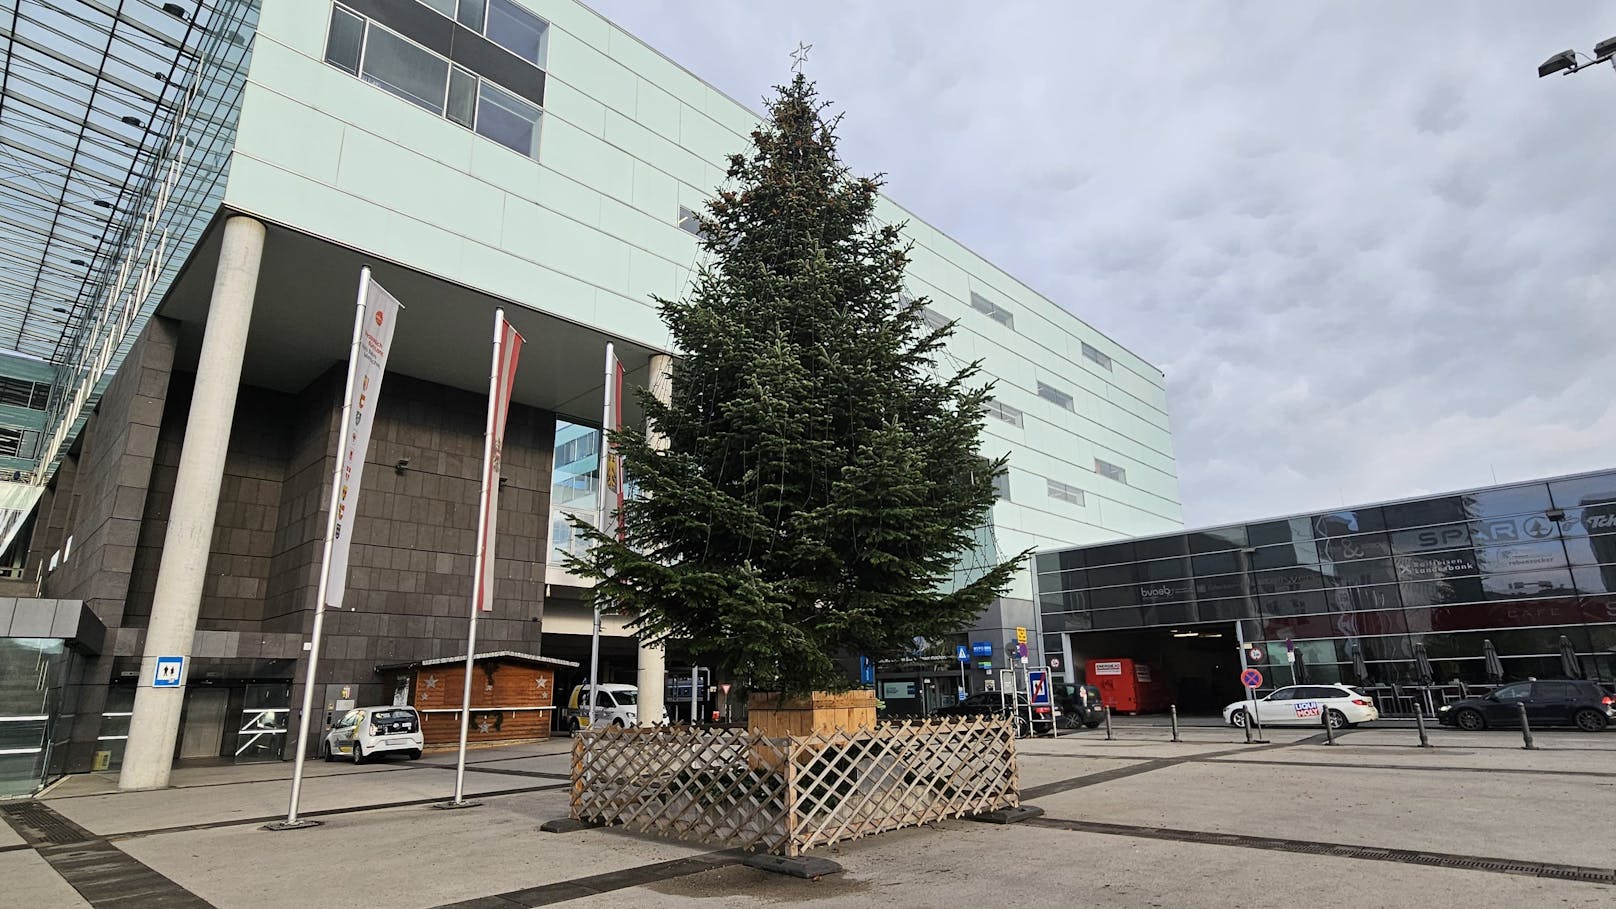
202, 727
1199, 664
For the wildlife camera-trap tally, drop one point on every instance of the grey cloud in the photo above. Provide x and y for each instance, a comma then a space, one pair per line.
1368, 247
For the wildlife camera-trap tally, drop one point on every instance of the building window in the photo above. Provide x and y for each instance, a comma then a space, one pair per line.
1093, 353
516, 30
1064, 492
428, 80
1110, 471
18, 443
508, 120
1001, 486
1004, 412
407, 70
934, 320
992, 310
23, 393
690, 223
1051, 393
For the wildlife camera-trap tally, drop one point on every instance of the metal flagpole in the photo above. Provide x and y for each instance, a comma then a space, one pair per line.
292, 822
607, 412
477, 591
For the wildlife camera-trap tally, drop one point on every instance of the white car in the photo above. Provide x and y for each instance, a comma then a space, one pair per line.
369, 731
1305, 705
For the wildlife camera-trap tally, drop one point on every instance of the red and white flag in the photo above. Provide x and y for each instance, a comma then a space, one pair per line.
507, 351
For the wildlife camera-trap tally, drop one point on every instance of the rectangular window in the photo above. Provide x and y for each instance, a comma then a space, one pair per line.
446, 7
508, 120
1093, 353
1050, 393
1003, 412
471, 14
1001, 486
992, 310
462, 106
934, 320
1110, 471
1064, 492
23, 393
517, 30
345, 40
405, 69
18, 443
689, 223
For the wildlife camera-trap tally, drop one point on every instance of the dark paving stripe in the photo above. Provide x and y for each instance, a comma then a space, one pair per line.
1340, 850
1148, 766
329, 812
18, 847
1525, 771
561, 891
538, 774
104, 875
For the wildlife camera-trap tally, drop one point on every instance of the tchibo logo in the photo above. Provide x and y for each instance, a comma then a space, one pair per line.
1599, 521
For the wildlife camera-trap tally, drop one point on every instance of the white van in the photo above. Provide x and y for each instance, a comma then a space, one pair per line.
369, 731
615, 705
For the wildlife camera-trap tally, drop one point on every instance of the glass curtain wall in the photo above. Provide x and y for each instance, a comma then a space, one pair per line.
33, 728
1360, 593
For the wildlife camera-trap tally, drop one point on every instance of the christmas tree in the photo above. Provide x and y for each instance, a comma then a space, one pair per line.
822, 473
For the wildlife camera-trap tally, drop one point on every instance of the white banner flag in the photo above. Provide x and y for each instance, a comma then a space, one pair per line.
507, 351
373, 337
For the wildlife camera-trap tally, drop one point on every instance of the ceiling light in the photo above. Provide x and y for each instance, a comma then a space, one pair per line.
102, 203
1183, 634
175, 10
132, 121
77, 262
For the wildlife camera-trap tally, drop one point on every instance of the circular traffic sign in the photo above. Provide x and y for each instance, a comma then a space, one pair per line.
1251, 678
1255, 655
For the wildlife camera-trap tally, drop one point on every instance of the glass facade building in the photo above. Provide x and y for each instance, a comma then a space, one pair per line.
1360, 594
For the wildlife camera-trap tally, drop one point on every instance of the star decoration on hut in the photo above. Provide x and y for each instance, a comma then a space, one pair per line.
542, 683
482, 725
431, 681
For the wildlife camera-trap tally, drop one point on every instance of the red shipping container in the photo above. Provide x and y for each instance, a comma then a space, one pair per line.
1127, 686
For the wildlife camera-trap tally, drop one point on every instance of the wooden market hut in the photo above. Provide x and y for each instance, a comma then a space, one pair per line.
512, 695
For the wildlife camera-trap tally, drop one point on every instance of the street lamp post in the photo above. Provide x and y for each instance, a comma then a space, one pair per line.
1567, 61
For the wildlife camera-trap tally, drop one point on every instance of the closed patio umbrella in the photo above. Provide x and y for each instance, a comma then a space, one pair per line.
1494, 667
1569, 664
1359, 667
1300, 667
1422, 665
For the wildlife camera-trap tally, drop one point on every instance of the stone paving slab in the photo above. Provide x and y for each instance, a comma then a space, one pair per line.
26, 880
983, 865
425, 857
123, 812
1522, 817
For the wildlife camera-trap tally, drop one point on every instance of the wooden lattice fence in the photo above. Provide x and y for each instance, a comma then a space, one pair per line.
739, 788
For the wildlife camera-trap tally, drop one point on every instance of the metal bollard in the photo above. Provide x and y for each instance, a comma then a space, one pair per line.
1419, 723
1526, 728
1247, 728
1108, 724
1329, 733
1174, 709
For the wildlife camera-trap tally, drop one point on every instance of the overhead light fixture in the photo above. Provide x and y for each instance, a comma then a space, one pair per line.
77, 262
175, 10
132, 121
58, 309
102, 203
402, 465
1556, 514
1605, 48
1184, 634
1566, 59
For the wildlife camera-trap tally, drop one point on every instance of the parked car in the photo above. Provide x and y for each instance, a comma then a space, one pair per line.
994, 703
1305, 705
1080, 705
1555, 702
366, 732
615, 705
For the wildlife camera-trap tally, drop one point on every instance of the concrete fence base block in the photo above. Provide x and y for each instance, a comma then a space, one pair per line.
803, 866
1008, 815
568, 825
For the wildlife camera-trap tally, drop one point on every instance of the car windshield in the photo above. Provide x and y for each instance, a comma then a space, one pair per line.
623, 698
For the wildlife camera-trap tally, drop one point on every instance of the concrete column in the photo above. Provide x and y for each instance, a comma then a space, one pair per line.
651, 677
154, 728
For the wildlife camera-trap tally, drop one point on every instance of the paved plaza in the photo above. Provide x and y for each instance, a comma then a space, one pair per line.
1137, 820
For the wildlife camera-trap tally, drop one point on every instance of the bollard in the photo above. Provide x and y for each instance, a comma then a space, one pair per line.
1329, 732
1174, 709
1247, 728
1419, 723
1526, 728
1108, 723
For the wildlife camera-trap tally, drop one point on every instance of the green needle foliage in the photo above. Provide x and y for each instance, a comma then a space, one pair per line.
821, 475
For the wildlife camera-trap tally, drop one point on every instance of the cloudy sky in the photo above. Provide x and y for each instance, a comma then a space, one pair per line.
1374, 254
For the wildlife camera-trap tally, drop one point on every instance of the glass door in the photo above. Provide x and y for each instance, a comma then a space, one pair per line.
261, 734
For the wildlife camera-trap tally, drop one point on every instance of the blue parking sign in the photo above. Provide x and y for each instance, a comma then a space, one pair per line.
1038, 686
